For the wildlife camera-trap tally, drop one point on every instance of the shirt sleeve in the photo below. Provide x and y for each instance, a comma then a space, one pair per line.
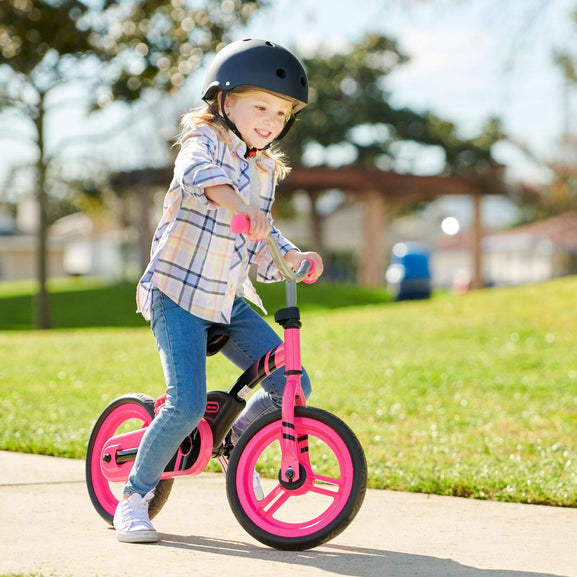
202, 163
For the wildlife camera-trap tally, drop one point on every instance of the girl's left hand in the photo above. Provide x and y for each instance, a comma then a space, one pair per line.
295, 257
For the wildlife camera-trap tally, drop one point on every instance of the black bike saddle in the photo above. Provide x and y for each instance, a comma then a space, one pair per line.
217, 337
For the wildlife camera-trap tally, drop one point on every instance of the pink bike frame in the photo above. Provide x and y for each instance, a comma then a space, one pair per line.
119, 450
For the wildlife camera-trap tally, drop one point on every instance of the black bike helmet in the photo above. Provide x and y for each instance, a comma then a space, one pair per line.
261, 64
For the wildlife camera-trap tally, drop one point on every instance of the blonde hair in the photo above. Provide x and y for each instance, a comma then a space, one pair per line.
208, 116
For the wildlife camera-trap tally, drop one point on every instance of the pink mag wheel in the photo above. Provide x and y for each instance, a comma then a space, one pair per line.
124, 414
316, 508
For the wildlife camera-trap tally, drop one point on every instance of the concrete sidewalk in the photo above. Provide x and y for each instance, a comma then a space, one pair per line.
48, 527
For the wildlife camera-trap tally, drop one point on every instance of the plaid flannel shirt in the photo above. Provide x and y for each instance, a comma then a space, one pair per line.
195, 258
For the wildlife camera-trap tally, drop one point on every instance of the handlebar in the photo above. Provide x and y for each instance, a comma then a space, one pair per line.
240, 224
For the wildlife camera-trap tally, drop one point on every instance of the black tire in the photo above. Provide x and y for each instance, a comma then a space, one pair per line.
325, 433
98, 487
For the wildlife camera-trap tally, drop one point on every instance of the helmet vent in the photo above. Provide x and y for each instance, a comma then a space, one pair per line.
281, 72
268, 43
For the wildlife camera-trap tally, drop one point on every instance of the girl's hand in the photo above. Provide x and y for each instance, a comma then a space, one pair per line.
293, 258
259, 224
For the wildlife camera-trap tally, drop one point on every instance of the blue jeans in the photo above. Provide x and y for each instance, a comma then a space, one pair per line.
181, 342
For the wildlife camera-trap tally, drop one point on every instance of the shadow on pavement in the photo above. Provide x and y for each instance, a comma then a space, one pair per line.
343, 560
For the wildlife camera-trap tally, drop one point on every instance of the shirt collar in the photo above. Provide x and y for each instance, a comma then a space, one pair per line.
237, 144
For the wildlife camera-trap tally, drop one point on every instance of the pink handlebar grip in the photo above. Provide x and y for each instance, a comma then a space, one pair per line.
312, 267
240, 224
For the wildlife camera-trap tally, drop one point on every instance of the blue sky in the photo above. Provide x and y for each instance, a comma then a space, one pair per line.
470, 60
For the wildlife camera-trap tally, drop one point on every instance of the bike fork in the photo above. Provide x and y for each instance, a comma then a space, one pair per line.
290, 462
289, 319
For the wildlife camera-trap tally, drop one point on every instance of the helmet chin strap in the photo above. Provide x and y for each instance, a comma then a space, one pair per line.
249, 151
225, 117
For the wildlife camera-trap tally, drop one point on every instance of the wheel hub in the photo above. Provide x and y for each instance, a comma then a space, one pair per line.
294, 485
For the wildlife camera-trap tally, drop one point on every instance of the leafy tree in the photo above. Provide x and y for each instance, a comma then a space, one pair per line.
351, 108
563, 190
119, 49
352, 119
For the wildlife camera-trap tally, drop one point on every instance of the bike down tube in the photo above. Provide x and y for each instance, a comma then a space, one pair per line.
259, 370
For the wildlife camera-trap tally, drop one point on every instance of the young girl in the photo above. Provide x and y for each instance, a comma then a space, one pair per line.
198, 273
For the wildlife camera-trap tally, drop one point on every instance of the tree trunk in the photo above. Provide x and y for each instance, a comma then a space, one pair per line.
145, 232
42, 298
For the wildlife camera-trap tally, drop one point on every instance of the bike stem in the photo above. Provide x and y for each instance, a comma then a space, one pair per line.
291, 293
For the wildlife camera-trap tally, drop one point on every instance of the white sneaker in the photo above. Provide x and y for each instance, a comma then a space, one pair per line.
132, 522
257, 487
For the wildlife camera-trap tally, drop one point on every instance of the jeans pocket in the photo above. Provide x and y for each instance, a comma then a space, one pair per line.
160, 303
155, 299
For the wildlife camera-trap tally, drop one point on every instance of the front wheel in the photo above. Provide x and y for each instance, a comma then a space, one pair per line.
124, 414
325, 499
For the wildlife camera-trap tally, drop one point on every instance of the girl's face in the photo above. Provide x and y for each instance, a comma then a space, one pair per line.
259, 116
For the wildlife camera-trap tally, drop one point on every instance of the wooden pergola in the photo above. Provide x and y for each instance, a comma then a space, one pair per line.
375, 190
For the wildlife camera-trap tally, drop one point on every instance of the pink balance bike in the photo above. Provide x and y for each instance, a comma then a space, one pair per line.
313, 468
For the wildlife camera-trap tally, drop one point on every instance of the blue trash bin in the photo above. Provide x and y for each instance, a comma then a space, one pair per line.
408, 276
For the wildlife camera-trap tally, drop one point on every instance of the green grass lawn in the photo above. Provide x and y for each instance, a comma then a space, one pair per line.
473, 396
80, 303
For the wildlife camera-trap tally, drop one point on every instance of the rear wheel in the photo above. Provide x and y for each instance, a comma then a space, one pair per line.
317, 507
124, 414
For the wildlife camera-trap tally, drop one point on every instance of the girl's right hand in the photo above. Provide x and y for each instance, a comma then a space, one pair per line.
259, 224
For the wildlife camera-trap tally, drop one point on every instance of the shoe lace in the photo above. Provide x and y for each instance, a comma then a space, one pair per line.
136, 509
